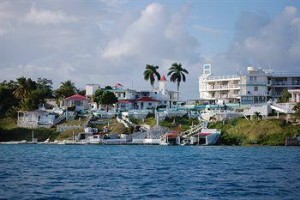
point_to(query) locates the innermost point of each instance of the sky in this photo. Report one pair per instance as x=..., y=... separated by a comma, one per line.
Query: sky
x=111, y=41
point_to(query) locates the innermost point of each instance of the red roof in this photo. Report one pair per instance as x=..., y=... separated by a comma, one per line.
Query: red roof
x=147, y=99
x=125, y=101
x=118, y=85
x=163, y=78
x=204, y=134
x=77, y=97
x=173, y=134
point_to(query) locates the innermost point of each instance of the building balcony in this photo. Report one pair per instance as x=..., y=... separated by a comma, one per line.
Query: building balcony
x=257, y=83
x=256, y=94
x=224, y=96
x=285, y=83
x=220, y=87
x=221, y=78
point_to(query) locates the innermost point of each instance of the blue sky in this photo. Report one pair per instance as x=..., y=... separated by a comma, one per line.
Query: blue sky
x=110, y=42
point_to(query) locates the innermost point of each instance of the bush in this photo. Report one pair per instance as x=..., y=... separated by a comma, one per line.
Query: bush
x=264, y=132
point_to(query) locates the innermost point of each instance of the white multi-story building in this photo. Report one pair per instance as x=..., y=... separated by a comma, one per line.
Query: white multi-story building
x=254, y=86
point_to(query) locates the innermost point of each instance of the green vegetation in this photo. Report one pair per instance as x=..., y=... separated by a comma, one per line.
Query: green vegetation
x=171, y=123
x=105, y=97
x=177, y=74
x=9, y=131
x=234, y=132
x=285, y=96
x=150, y=73
x=264, y=132
x=297, y=111
x=183, y=122
x=66, y=89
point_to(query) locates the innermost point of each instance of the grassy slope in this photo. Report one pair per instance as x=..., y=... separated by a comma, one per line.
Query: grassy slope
x=263, y=132
x=9, y=131
x=238, y=131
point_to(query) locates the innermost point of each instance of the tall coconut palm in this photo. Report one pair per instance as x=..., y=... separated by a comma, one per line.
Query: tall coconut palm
x=24, y=88
x=150, y=73
x=177, y=74
x=66, y=89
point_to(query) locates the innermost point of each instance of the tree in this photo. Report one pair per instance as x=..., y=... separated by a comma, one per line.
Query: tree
x=24, y=88
x=285, y=96
x=108, y=87
x=45, y=87
x=150, y=73
x=7, y=99
x=257, y=116
x=177, y=74
x=98, y=96
x=108, y=98
x=297, y=110
x=82, y=92
x=66, y=89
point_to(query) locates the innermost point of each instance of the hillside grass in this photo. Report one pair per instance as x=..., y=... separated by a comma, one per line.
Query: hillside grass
x=9, y=131
x=262, y=132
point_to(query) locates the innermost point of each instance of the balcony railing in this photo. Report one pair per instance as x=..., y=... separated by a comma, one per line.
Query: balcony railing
x=221, y=87
x=278, y=83
x=226, y=77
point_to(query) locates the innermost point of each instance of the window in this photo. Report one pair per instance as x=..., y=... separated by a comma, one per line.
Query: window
x=256, y=89
x=150, y=104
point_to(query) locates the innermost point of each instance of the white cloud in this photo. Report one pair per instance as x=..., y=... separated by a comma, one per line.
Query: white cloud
x=264, y=42
x=156, y=35
x=207, y=29
x=44, y=17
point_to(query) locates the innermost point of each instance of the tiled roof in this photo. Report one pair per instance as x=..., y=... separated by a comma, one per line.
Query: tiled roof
x=163, y=78
x=125, y=101
x=76, y=97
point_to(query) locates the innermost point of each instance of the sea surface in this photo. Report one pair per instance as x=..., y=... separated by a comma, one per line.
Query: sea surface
x=148, y=172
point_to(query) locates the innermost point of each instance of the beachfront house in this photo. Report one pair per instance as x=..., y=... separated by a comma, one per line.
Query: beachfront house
x=146, y=99
x=80, y=102
x=146, y=103
x=35, y=119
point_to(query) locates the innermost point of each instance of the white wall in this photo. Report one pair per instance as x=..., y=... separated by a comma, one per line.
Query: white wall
x=91, y=89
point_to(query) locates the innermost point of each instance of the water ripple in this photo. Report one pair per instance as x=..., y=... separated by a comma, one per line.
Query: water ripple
x=148, y=172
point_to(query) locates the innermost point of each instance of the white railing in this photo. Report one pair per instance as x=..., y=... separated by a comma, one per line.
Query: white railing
x=258, y=82
x=218, y=87
x=223, y=77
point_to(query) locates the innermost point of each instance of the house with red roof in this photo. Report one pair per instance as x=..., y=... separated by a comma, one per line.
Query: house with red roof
x=147, y=99
x=146, y=103
x=80, y=102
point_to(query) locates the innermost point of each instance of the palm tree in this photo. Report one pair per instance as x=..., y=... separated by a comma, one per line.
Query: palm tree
x=66, y=89
x=24, y=88
x=150, y=73
x=177, y=74
x=257, y=116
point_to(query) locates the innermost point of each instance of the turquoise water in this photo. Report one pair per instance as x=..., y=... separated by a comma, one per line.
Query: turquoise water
x=148, y=172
